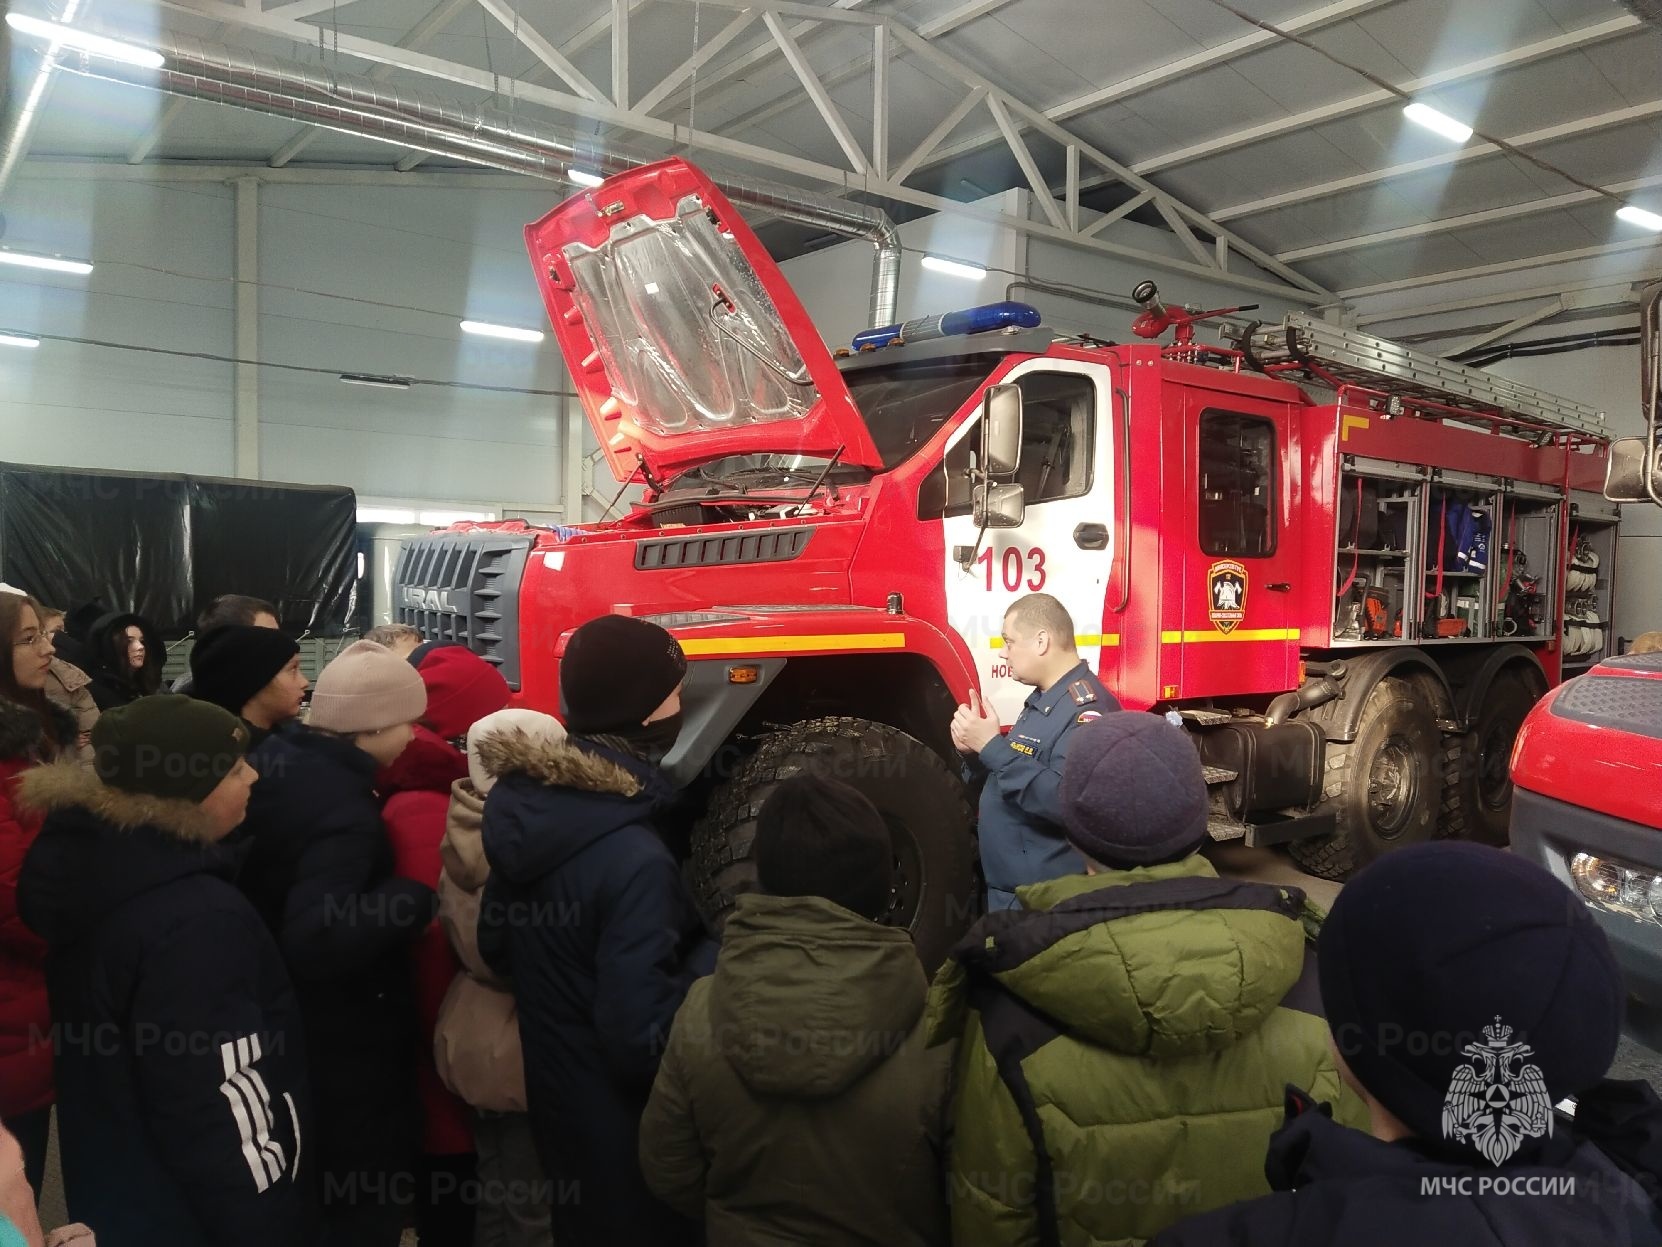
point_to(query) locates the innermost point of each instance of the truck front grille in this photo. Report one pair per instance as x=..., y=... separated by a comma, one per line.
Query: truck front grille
x=464, y=587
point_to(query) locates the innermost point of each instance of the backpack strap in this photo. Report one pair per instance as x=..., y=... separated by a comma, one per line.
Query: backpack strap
x=1014, y=1030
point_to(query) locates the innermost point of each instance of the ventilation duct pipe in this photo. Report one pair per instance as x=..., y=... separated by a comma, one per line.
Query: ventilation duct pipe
x=363, y=108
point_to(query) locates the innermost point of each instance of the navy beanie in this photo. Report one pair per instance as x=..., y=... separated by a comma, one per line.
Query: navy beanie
x=1133, y=791
x=1438, y=951
x=817, y=836
x=616, y=671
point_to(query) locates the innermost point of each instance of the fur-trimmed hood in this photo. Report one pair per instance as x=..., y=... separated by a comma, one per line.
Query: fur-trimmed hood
x=556, y=764
x=100, y=847
x=21, y=735
x=554, y=799
x=66, y=786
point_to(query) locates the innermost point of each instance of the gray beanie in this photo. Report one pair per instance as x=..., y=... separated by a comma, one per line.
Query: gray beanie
x=1133, y=791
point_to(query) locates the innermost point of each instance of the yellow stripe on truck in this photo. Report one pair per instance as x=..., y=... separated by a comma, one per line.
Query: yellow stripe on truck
x=1079, y=642
x=1240, y=634
x=748, y=645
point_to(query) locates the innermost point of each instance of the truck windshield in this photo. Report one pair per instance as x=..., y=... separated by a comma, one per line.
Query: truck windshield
x=904, y=405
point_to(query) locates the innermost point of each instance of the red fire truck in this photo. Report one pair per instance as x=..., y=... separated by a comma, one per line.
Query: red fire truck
x=1588, y=763
x=1343, y=563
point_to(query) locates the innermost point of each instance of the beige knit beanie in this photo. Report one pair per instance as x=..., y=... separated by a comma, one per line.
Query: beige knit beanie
x=365, y=689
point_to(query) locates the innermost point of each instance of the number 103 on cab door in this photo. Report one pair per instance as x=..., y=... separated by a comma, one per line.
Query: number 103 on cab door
x=1013, y=569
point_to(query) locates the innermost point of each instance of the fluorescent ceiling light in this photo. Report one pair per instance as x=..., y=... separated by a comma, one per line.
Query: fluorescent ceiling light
x=84, y=41
x=1638, y=216
x=514, y=334
x=381, y=383
x=385, y=515
x=1438, y=123
x=7, y=338
x=584, y=178
x=441, y=519
x=954, y=268
x=56, y=264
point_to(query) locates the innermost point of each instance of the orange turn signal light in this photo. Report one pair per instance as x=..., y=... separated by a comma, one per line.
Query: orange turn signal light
x=743, y=675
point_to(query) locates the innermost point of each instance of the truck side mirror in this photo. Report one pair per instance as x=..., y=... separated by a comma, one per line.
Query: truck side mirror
x=999, y=506
x=1001, y=431
x=1627, y=477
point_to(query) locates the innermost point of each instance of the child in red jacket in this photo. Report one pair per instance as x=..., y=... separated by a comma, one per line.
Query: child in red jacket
x=462, y=688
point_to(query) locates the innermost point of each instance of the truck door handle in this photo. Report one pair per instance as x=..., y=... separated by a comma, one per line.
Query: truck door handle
x=1280, y=586
x=1091, y=536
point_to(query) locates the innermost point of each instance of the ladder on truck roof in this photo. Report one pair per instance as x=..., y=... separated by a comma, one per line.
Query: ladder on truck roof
x=1348, y=358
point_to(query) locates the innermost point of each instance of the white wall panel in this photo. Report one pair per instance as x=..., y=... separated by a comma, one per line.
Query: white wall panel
x=94, y=407
x=414, y=260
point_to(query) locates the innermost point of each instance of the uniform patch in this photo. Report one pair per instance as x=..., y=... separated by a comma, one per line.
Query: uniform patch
x=1081, y=693
x=1089, y=716
x=1226, y=594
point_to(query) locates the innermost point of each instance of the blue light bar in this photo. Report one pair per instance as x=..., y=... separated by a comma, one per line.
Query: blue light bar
x=1004, y=315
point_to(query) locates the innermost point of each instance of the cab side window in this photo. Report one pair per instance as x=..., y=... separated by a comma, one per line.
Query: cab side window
x=1237, y=485
x=1057, y=448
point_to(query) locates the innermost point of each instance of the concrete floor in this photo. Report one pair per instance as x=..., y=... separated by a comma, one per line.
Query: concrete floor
x=1270, y=866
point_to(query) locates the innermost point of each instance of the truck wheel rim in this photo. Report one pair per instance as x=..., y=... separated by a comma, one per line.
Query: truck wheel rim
x=1393, y=783
x=908, y=876
x=1494, y=777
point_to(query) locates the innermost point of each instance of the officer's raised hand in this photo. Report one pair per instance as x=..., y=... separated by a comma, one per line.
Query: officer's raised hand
x=974, y=725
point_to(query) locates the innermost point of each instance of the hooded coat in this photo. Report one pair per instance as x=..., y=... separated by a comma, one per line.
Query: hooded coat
x=320, y=871
x=417, y=789
x=183, y=1107
x=114, y=683
x=586, y=912
x=25, y=1018
x=476, y=1041
x=1124, y=1050
x=71, y=688
x=1335, y=1185
x=796, y=1075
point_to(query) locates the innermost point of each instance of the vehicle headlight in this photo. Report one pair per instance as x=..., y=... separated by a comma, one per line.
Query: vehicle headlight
x=1618, y=886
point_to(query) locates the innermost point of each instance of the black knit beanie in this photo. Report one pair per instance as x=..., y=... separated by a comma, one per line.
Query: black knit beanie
x=616, y=671
x=1437, y=962
x=1133, y=791
x=817, y=836
x=167, y=746
x=229, y=664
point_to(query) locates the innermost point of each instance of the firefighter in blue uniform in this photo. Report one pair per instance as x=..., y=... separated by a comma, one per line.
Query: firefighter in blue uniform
x=1021, y=813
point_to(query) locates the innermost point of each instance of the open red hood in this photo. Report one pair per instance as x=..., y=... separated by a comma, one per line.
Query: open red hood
x=681, y=335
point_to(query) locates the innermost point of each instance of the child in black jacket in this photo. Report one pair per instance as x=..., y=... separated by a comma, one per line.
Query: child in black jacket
x=182, y=1094
x=320, y=871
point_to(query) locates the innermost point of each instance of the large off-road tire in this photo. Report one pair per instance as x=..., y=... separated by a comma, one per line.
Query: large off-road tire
x=1385, y=787
x=1477, y=803
x=921, y=799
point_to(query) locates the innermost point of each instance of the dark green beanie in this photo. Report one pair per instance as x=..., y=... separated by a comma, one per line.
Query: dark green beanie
x=167, y=746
